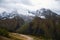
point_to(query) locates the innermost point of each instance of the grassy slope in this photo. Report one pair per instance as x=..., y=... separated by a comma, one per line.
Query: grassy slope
x=4, y=38
x=38, y=38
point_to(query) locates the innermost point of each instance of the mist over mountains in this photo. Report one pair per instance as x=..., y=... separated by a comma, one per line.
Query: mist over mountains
x=28, y=15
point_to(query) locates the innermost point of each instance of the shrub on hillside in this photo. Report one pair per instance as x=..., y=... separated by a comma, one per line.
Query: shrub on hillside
x=4, y=32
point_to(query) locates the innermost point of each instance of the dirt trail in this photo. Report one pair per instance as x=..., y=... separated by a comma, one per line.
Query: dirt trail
x=20, y=36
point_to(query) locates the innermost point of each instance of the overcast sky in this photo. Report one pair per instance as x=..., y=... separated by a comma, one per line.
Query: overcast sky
x=21, y=5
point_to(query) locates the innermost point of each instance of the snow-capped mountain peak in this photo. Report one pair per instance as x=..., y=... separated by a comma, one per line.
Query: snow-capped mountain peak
x=42, y=13
x=5, y=15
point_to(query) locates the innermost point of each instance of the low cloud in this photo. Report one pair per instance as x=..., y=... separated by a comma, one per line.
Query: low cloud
x=31, y=4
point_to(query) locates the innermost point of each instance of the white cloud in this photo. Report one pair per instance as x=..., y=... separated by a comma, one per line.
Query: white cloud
x=26, y=2
x=30, y=4
x=1, y=9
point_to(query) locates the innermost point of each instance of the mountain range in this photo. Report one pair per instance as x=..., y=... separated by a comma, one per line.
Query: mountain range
x=42, y=13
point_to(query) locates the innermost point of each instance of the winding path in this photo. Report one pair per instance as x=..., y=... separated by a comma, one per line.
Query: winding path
x=21, y=36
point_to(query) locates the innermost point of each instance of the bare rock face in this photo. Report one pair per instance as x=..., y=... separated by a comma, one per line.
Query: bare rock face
x=9, y=24
x=11, y=21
